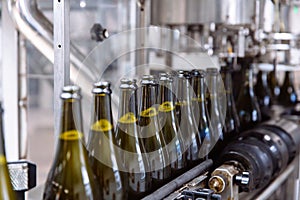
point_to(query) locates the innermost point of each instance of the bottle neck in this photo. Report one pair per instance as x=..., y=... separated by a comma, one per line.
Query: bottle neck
x=289, y=78
x=127, y=105
x=248, y=80
x=228, y=86
x=183, y=90
x=166, y=98
x=262, y=79
x=165, y=92
x=212, y=83
x=71, y=120
x=102, y=114
x=199, y=87
x=148, y=97
x=102, y=107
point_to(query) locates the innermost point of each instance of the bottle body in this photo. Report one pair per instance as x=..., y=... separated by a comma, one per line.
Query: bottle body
x=262, y=90
x=247, y=105
x=288, y=95
x=169, y=125
x=188, y=124
x=6, y=191
x=152, y=136
x=103, y=157
x=263, y=94
x=274, y=85
x=71, y=176
x=199, y=106
x=136, y=165
x=111, y=180
x=213, y=105
x=232, y=122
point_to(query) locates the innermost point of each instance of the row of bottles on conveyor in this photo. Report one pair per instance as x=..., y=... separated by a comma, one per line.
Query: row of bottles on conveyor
x=269, y=91
x=169, y=130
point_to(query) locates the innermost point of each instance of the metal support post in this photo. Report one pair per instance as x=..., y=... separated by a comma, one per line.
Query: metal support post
x=10, y=83
x=142, y=20
x=61, y=53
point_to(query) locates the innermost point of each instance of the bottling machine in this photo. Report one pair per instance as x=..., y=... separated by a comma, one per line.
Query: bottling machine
x=87, y=41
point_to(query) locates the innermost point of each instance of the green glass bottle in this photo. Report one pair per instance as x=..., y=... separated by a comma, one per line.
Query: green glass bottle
x=200, y=110
x=247, y=105
x=232, y=122
x=169, y=125
x=262, y=90
x=71, y=176
x=214, y=106
x=199, y=102
x=263, y=94
x=152, y=136
x=6, y=192
x=135, y=162
x=288, y=95
x=274, y=85
x=188, y=124
x=103, y=157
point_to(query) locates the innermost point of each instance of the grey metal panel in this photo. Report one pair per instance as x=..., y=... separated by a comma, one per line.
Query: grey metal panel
x=176, y=12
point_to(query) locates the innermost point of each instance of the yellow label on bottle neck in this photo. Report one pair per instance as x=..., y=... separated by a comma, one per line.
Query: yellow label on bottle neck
x=70, y=100
x=181, y=103
x=102, y=125
x=71, y=135
x=166, y=106
x=198, y=99
x=2, y=160
x=128, y=118
x=212, y=96
x=150, y=112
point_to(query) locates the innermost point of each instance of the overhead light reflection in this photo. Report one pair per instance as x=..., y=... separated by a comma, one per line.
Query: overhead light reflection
x=82, y=3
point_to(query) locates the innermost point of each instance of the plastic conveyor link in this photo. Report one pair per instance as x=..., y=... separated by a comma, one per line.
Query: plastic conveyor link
x=22, y=176
x=179, y=181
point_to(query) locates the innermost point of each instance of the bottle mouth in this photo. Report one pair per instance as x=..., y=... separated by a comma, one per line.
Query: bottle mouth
x=149, y=80
x=165, y=77
x=70, y=92
x=128, y=83
x=212, y=71
x=101, y=87
x=198, y=73
x=183, y=74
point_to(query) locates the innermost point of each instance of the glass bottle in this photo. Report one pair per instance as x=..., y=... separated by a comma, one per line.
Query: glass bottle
x=263, y=94
x=71, y=176
x=288, y=95
x=232, y=122
x=169, y=124
x=128, y=139
x=200, y=110
x=188, y=124
x=6, y=191
x=213, y=105
x=103, y=157
x=247, y=105
x=152, y=136
x=273, y=85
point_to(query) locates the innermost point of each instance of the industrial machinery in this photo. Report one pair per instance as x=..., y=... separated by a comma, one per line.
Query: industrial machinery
x=87, y=41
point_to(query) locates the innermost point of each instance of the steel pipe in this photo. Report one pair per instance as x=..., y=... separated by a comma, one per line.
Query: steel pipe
x=39, y=31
